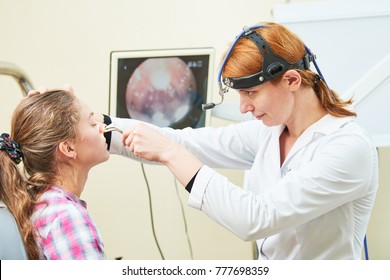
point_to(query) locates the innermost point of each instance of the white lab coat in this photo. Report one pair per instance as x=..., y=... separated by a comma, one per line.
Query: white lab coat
x=316, y=205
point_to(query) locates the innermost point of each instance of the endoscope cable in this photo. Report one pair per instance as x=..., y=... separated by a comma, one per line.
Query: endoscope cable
x=151, y=212
x=184, y=218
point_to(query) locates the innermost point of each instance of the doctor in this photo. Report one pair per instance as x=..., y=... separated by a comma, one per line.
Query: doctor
x=313, y=171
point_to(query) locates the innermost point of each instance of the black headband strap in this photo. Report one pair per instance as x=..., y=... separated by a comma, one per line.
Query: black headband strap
x=273, y=65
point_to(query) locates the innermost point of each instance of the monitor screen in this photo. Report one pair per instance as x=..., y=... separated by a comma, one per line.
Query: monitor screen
x=162, y=87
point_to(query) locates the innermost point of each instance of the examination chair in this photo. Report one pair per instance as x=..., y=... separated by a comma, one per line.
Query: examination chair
x=11, y=243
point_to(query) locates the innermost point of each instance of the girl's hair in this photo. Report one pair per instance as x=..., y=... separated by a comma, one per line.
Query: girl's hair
x=39, y=124
x=246, y=59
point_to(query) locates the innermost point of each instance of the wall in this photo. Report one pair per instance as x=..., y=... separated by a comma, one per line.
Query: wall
x=378, y=231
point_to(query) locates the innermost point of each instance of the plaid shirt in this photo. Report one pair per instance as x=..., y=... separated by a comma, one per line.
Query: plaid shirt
x=65, y=228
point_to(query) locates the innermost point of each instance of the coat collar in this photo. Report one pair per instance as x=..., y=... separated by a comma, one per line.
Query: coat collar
x=324, y=126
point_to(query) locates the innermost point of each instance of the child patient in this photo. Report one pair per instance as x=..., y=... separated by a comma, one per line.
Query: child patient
x=58, y=140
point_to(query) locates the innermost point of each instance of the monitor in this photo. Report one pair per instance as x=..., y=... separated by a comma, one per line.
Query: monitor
x=163, y=87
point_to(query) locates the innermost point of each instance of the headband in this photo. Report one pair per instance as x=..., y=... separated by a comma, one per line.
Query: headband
x=273, y=65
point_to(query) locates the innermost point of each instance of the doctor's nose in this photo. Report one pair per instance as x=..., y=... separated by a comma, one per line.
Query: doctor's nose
x=245, y=105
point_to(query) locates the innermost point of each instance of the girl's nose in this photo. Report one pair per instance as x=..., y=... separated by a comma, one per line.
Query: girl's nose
x=102, y=127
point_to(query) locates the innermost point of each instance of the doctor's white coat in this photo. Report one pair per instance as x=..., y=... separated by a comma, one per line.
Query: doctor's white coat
x=316, y=205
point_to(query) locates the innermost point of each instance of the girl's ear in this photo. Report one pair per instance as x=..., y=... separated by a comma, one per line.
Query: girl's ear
x=67, y=149
x=293, y=79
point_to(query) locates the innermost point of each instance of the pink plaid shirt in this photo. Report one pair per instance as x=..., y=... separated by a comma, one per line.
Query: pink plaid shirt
x=65, y=228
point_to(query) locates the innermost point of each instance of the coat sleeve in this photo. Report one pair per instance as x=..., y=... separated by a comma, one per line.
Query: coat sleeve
x=234, y=146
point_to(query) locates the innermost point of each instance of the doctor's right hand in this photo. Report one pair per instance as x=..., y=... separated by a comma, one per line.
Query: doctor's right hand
x=147, y=143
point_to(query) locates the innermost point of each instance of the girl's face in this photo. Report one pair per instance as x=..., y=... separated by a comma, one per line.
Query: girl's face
x=90, y=144
x=269, y=102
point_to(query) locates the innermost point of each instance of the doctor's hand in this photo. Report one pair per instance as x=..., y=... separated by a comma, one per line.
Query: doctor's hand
x=147, y=143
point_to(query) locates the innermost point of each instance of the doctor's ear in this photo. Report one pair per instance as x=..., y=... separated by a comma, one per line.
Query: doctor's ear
x=66, y=149
x=293, y=79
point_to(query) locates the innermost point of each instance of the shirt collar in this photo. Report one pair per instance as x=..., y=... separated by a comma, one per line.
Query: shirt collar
x=70, y=196
x=2, y=204
x=324, y=126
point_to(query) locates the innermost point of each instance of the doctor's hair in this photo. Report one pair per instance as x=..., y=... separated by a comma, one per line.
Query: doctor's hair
x=39, y=124
x=246, y=59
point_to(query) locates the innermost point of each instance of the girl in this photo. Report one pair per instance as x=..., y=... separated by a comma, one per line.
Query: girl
x=58, y=140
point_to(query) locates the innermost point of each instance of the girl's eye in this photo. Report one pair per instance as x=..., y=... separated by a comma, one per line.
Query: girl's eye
x=250, y=93
x=94, y=124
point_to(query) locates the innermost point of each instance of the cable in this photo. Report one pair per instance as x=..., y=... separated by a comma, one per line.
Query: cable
x=184, y=219
x=319, y=73
x=151, y=211
x=366, y=248
x=261, y=250
x=152, y=219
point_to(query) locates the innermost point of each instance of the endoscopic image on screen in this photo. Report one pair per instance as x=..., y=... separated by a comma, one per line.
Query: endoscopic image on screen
x=165, y=91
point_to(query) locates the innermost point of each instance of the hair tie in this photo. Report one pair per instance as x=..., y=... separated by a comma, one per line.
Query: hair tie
x=11, y=148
